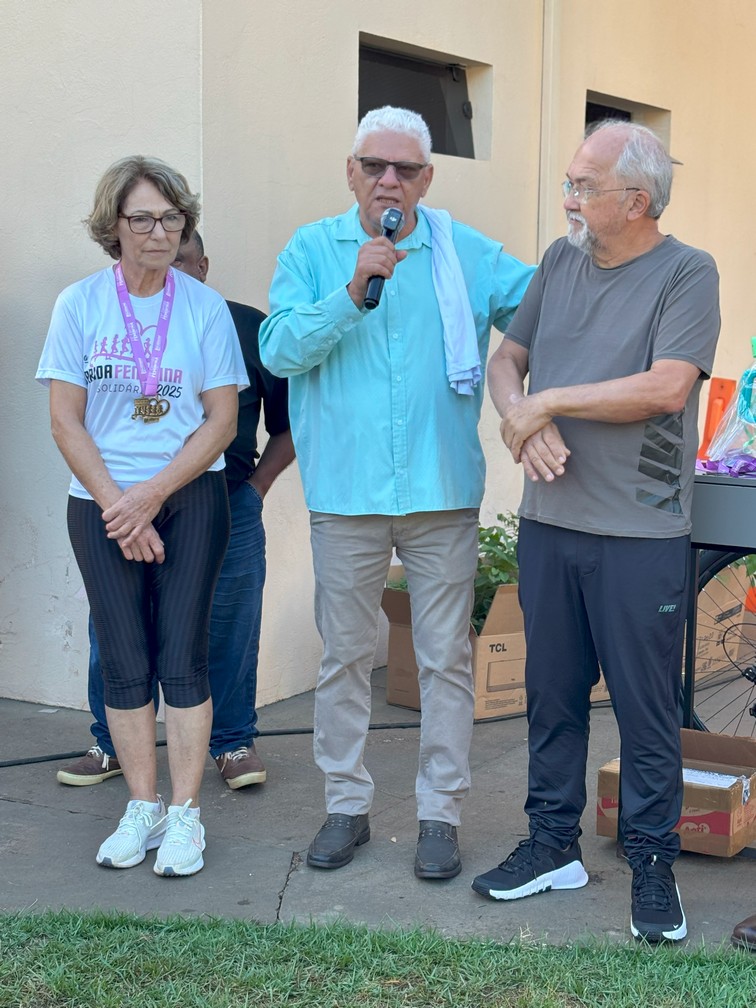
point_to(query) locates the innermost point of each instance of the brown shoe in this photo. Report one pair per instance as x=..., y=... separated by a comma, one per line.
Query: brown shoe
x=93, y=768
x=744, y=935
x=241, y=767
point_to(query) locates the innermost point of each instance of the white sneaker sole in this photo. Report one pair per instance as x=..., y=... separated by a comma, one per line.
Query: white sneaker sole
x=571, y=876
x=108, y=862
x=83, y=780
x=677, y=934
x=244, y=780
x=168, y=871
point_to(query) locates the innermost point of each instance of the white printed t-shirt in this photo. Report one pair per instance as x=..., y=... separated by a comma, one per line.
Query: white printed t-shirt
x=87, y=345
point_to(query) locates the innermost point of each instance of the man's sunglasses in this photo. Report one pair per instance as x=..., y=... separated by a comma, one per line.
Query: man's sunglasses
x=377, y=167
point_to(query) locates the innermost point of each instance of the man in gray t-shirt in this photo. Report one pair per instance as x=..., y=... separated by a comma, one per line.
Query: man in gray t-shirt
x=616, y=332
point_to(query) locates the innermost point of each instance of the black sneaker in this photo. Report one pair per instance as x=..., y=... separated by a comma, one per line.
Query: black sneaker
x=532, y=868
x=657, y=914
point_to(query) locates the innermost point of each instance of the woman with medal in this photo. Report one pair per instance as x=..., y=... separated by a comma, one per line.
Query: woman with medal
x=144, y=368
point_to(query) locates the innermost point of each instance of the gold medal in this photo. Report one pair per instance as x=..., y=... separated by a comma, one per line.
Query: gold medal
x=150, y=408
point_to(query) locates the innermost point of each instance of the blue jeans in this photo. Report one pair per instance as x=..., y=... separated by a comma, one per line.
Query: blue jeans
x=234, y=635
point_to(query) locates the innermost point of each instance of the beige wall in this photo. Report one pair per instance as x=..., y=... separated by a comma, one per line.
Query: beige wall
x=694, y=58
x=257, y=104
x=74, y=97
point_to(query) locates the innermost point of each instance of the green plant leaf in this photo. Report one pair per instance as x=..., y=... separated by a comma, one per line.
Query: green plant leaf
x=497, y=565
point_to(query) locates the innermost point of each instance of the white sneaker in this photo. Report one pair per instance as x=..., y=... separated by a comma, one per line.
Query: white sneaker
x=140, y=829
x=180, y=852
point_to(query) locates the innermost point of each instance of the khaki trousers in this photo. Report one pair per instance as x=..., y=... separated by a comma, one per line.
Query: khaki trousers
x=351, y=557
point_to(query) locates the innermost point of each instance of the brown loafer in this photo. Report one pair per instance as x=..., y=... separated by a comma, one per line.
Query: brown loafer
x=334, y=843
x=437, y=854
x=744, y=935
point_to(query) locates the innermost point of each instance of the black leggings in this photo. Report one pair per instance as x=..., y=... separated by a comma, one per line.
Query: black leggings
x=151, y=620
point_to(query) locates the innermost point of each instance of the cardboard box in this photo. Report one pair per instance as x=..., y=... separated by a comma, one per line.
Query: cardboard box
x=718, y=820
x=498, y=655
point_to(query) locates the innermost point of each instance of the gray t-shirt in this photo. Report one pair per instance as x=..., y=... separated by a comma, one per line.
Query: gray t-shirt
x=581, y=324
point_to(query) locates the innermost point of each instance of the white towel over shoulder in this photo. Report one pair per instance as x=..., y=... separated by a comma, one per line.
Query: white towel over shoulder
x=460, y=338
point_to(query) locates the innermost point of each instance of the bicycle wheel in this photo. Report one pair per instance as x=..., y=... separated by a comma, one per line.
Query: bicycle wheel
x=724, y=690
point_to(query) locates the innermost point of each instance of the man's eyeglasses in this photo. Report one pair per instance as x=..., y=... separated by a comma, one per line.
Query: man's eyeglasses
x=583, y=193
x=377, y=167
x=143, y=223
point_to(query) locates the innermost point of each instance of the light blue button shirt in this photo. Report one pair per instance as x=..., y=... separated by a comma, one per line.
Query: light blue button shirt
x=377, y=428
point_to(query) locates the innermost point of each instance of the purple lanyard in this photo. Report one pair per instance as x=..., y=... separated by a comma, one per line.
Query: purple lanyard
x=148, y=373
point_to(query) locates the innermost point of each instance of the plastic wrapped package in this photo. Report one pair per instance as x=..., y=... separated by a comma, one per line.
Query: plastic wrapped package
x=732, y=450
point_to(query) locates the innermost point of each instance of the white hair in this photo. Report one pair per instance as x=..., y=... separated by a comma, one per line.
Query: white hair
x=642, y=161
x=394, y=120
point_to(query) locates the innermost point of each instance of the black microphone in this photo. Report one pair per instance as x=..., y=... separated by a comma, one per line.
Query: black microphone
x=391, y=224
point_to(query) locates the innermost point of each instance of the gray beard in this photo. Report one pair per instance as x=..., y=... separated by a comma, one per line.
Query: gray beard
x=584, y=239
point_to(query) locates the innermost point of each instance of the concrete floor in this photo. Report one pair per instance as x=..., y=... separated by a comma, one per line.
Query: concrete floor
x=257, y=838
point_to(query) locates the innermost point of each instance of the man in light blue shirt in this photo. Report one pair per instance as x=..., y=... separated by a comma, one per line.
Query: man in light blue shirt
x=384, y=408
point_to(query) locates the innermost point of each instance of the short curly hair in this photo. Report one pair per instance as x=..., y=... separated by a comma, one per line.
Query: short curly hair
x=116, y=184
x=394, y=120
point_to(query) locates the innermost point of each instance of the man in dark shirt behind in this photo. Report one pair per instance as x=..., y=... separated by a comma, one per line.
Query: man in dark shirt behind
x=237, y=603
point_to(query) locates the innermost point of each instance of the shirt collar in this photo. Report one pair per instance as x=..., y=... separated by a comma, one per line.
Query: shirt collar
x=349, y=228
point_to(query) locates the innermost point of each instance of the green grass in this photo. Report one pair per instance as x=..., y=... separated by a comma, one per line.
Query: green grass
x=68, y=960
